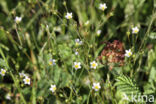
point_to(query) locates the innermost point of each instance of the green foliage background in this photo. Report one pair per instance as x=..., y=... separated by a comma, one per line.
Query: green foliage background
x=45, y=33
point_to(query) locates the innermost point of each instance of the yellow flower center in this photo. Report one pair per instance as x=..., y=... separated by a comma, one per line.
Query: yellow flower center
x=94, y=65
x=96, y=87
x=129, y=53
x=54, y=88
x=27, y=80
x=77, y=44
x=76, y=66
x=103, y=8
x=135, y=30
x=50, y=62
x=3, y=72
x=69, y=16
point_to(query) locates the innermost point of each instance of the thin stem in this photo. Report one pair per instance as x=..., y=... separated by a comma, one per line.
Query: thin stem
x=88, y=97
x=148, y=30
x=18, y=35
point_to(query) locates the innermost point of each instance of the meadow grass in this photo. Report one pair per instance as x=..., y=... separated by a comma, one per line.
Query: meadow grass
x=77, y=52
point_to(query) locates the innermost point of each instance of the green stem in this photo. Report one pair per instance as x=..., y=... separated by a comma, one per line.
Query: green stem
x=33, y=89
x=148, y=30
x=88, y=97
x=18, y=36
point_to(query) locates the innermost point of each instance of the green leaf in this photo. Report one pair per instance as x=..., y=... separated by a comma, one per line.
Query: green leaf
x=126, y=85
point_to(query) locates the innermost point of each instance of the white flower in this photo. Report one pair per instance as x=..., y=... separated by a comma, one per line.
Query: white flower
x=2, y=72
x=76, y=53
x=26, y=80
x=77, y=65
x=52, y=62
x=128, y=53
x=98, y=32
x=22, y=74
x=78, y=42
x=68, y=16
x=53, y=88
x=93, y=65
x=8, y=96
x=103, y=6
x=18, y=19
x=96, y=86
x=135, y=30
x=86, y=23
